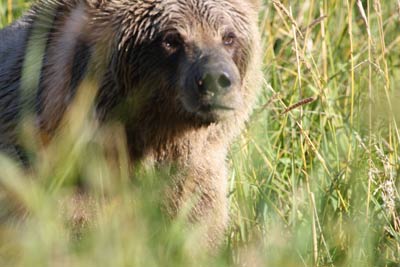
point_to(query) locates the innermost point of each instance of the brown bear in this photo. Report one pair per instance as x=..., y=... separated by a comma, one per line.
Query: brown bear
x=180, y=75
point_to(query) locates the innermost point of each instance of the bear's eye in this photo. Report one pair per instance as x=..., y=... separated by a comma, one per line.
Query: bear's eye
x=171, y=42
x=229, y=39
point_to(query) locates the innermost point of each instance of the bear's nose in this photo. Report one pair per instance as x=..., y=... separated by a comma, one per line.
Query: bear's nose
x=214, y=82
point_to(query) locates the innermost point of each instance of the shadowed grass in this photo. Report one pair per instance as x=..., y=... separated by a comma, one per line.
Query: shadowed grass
x=313, y=184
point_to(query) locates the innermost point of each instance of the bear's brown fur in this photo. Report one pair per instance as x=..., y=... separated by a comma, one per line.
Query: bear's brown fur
x=145, y=55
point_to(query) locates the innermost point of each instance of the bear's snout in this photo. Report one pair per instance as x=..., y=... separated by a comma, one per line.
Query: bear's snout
x=216, y=79
x=212, y=86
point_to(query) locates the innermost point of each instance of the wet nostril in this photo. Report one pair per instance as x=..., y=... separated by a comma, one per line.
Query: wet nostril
x=224, y=81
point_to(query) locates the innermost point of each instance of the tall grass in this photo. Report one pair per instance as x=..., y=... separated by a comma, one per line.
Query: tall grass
x=313, y=184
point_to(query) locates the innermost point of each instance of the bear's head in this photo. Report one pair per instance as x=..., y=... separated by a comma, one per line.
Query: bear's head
x=190, y=54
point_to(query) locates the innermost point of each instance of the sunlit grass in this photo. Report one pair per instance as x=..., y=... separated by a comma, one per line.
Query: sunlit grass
x=314, y=185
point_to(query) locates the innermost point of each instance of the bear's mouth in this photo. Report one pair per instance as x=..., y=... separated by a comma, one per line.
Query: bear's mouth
x=213, y=112
x=212, y=102
x=210, y=107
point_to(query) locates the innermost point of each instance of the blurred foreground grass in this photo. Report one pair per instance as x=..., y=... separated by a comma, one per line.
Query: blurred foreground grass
x=316, y=185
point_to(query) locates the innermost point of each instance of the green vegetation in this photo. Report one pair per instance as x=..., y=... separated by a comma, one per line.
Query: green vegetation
x=313, y=185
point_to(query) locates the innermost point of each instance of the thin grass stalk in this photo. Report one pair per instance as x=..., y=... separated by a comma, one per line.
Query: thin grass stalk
x=10, y=11
x=350, y=4
x=370, y=177
x=398, y=8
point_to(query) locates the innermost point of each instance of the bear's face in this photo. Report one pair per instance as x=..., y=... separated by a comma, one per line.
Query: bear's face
x=207, y=77
x=193, y=53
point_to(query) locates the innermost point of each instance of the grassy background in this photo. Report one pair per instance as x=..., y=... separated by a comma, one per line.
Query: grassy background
x=316, y=185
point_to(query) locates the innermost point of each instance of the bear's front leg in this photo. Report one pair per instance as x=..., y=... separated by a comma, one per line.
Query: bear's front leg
x=199, y=194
